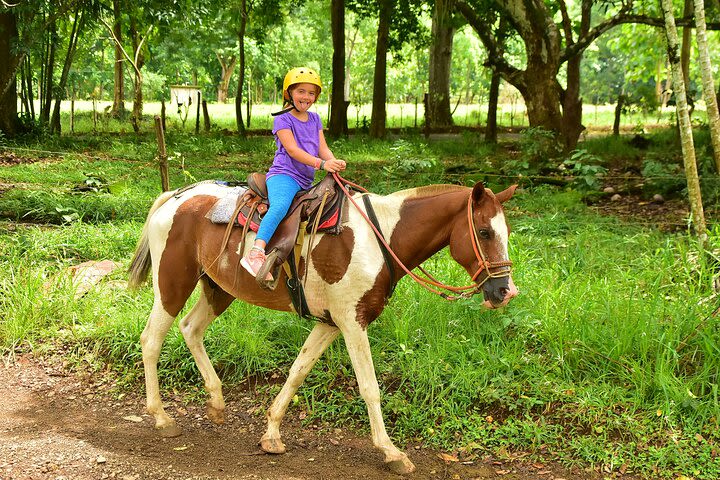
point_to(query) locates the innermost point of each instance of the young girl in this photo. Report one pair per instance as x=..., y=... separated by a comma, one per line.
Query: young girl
x=301, y=149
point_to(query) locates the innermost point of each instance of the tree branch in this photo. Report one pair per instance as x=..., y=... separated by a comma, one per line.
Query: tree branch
x=566, y=23
x=623, y=18
x=495, y=59
x=122, y=49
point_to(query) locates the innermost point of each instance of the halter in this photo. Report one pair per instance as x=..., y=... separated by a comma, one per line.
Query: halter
x=428, y=283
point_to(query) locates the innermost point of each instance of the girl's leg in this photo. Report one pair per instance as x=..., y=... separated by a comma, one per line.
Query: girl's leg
x=281, y=191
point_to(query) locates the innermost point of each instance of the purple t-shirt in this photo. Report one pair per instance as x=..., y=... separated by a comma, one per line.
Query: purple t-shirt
x=307, y=137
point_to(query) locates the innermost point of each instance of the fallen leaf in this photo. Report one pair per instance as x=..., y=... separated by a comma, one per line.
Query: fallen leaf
x=181, y=448
x=448, y=458
x=133, y=418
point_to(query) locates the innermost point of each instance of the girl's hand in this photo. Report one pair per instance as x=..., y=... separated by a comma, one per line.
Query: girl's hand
x=334, y=165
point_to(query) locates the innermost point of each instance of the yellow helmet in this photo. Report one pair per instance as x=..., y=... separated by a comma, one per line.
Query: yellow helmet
x=301, y=75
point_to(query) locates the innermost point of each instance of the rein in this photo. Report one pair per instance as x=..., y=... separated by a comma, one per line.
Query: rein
x=430, y=283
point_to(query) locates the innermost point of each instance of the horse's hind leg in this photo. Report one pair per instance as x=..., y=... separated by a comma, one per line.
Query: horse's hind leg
x=213, y=301
x=319, y=339
x=151, y=340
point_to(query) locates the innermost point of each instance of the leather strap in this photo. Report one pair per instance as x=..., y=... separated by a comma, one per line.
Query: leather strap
x=386, y=254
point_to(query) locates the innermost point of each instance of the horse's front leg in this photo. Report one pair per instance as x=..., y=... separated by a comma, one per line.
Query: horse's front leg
x=321, y=336
x=358, y=348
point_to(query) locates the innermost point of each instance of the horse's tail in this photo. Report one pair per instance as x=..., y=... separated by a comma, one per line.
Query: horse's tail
x=141, y=262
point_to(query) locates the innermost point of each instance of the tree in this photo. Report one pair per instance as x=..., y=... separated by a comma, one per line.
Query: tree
x=398, y=23
x=136, y=61
x=683, y=115
x=78, y=22
x=264, y=15
x=443, y=29
x=708, y=83
x=9, y=62
x=118, y=108
x=378, y=118
x=227, y=63
x=547, y=47
x=338, y=102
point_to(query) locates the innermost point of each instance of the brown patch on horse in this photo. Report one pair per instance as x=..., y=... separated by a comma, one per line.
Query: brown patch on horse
x=373, y=302
x=331, y=256
x=179, y=267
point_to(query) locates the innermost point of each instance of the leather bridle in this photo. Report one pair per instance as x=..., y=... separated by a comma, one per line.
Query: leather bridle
x=430, y=283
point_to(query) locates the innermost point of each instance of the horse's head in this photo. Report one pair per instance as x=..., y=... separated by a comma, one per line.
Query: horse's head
x=479, y=242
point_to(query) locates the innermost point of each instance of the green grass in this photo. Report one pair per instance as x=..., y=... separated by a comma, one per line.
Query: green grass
x=607, y=358
x=403, y=116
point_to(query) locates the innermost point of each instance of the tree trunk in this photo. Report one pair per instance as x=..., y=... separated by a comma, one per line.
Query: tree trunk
x=572, y=125
x=228, y=66
x=9, y=124
x=494, y=93
x=707, y=81
x=241, y=75
x=688, y=147
x=686, y=46
x=572, y=102
x=337, y=124
x=377, y=120
x=541, y=93
x=438, y=114
x=118, y=108
x=29, y=82
x=49, y=73
x=72, y=47
x=618, y=114
x=138, y=82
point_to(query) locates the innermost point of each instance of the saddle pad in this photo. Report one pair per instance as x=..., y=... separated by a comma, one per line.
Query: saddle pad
x=223, y=209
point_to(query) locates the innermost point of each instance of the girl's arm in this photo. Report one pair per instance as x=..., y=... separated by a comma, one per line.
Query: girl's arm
x=329, y=162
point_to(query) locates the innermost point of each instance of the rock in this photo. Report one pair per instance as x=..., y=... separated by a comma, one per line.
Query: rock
x=609, y=190
x=657, y=198
x=100, y=459
x=615, y=198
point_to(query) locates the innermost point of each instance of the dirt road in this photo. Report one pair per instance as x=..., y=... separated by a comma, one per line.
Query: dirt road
x=59, y=425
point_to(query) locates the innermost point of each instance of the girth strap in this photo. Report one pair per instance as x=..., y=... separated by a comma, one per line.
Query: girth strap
x=386, y=254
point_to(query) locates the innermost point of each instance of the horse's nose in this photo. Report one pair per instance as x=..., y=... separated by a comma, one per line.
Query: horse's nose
x=510, y=291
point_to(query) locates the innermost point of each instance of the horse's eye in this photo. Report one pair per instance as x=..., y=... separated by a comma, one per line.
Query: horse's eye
x=484, y=234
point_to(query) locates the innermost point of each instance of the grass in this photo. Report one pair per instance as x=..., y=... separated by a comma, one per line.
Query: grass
x=608, y=358
x=399, y=115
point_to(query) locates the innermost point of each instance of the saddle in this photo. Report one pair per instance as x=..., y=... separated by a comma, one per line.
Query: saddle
x=318, y=209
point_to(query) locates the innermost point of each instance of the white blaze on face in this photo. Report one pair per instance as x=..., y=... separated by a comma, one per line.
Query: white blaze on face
x=497, y=223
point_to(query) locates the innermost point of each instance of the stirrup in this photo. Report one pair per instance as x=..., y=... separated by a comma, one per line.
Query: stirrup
x=269, y=268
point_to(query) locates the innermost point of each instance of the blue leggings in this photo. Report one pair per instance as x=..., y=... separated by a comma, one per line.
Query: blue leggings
x=281, y=191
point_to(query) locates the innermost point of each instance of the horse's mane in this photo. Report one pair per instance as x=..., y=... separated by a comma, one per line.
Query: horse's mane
x=429, y=191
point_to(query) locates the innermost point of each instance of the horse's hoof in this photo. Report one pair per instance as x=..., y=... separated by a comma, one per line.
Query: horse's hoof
x=401, y=466
x=169, y=431
x=272, y=445
x=216, y=415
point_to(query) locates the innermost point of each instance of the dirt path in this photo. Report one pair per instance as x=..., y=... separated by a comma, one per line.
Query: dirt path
x=57, y=425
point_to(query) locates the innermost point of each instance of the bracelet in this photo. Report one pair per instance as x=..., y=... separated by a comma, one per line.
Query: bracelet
x=318, y=164
x=322, y=165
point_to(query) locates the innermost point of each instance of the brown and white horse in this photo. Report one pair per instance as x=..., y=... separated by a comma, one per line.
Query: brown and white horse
x=347, y=283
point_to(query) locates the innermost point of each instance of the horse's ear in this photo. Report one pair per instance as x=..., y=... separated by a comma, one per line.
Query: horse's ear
x=506, y=194
x=478, y=192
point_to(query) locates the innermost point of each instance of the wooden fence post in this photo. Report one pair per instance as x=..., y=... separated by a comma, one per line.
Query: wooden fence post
x=163, y=163
x=197, y=115
x=206, y=116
